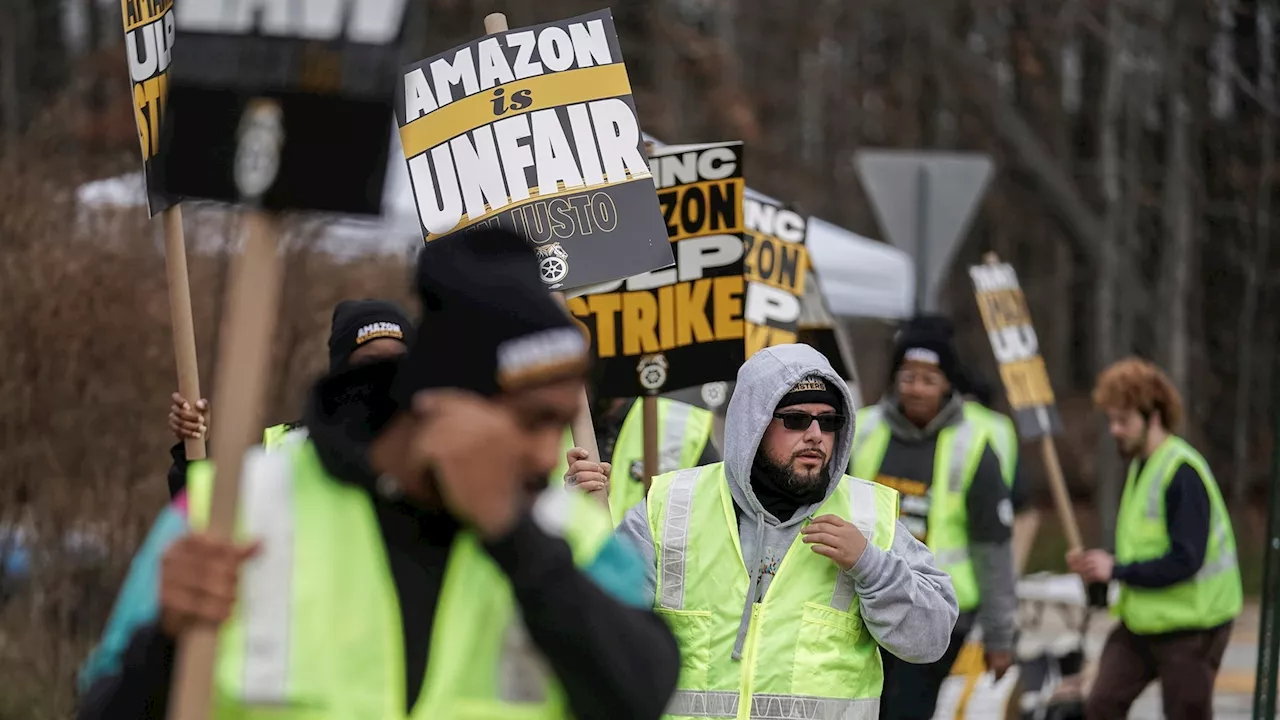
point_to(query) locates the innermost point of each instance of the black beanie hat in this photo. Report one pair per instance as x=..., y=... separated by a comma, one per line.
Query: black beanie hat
x=489, y=324
x=928, y=339
x=812, y=389
x=356, y=322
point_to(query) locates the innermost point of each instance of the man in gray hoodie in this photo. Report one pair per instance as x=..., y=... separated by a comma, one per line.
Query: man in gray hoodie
x=793, y=631
x=918, y=441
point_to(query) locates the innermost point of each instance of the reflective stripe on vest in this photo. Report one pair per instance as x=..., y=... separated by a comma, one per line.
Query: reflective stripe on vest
x=683, y=433
x=721, y=704
x=316, y=634
x=806, y=653
x=957, y=454
x=1209, y=598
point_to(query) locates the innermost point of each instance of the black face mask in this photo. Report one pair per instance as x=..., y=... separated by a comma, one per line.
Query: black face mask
x=781, y=491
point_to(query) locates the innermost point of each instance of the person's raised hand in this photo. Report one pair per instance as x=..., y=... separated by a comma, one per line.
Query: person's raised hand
x=836, y=538
x=187, y=421
x=476, y=453
x=199, y=576
x=584, y=474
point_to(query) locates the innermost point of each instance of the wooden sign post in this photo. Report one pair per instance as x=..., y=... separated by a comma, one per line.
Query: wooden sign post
x=249, y=318
x=148, y=60
x=1022, y=372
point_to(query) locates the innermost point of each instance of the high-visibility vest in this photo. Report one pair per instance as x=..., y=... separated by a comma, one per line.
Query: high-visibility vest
x=807, y=652
x=274, y=436
x=1211, y=597
x=955, y=461
x=1003, y=435
x=683, y=433
x=316, y=633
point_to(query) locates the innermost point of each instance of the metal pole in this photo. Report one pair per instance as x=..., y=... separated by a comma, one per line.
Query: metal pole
x=922, y=237
x=1264, y=689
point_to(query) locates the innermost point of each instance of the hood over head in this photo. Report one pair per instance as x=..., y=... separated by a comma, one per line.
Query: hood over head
x=763, y=381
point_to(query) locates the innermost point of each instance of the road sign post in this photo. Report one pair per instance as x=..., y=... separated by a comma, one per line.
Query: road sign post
x=1264, y=689
x=924, y=202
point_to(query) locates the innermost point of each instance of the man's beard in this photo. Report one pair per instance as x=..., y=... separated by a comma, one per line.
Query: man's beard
x=789, y=480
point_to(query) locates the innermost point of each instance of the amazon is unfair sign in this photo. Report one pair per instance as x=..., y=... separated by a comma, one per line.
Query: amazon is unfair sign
x=535, y=130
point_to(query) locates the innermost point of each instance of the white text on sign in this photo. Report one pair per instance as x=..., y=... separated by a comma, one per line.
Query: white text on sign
x=362, y=21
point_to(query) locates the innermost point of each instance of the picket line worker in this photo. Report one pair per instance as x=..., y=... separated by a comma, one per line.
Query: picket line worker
x=918, y=440
x=430, y=574
x=1175, y=558
x=783, y=578
x=361, y=331
x=684, y=441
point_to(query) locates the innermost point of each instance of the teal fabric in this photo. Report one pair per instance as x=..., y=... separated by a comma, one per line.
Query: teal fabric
x=619, y=570
x=139, y=602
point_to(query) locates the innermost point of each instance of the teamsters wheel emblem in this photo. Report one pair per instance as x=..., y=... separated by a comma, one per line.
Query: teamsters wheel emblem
x=257, y=158
x=553, y=264
x=652, y=371
x=713, y=393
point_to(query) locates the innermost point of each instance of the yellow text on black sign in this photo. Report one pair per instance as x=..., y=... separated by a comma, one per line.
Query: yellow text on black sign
x=148, y=40
x=529, y=114
x=641, y=322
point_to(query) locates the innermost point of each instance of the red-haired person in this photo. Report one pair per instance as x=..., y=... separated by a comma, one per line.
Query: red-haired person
x=1175, y=559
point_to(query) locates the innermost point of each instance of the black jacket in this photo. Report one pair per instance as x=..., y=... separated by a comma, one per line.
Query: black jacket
x=613, y=661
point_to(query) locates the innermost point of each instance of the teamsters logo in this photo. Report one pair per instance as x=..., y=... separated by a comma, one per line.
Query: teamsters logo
x=714, y=393
x=553, y=263
x=652, y=371
x=258, y=151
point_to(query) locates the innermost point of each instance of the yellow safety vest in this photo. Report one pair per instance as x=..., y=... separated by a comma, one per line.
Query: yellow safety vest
x=683, y=433
x=316, y=634
x=1210, y=598
x=807, y=653
x=1003, y=435
x=274, y=436
x=955, y=462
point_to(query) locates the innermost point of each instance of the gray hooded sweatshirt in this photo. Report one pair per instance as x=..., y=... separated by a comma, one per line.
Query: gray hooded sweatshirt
x=907, y=603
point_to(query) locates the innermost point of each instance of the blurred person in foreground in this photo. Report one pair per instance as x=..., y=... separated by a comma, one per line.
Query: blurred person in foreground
x=684, y=441
x=919, y=441
x=1175, y=558
x=431, y=574
x=782, y=577
x=361, y=331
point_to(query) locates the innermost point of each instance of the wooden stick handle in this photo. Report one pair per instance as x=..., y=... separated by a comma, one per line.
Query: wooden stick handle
x=184, y=330
x=495, y=23
x=1061, y=499
x=248, y=322
x=650, y=410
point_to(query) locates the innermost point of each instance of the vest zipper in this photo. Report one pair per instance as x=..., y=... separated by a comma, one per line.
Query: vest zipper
x=749, y=663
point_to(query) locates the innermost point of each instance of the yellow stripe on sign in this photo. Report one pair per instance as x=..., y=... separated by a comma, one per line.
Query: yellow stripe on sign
x=1026, y=383
x=545, y=91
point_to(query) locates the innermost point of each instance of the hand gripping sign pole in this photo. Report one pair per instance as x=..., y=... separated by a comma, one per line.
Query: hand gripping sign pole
x=248, y=321
x=149, y=42
x=184, y=330
x=1013, y=340
x=582, y=428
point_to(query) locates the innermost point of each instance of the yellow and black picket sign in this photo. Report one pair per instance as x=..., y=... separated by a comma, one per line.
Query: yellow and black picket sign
x=680, y=326
x=535, y=130
x=777, y=263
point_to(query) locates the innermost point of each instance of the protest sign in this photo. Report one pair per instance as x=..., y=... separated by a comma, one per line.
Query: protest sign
x=1022, y=370
x=329, y=66
x=149, y=32
x=535, y=130
x=1017, y=351
x=775, y=268
x=681, y=326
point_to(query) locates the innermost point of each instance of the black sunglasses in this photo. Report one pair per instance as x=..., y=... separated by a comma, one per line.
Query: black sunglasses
x=827, y=422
